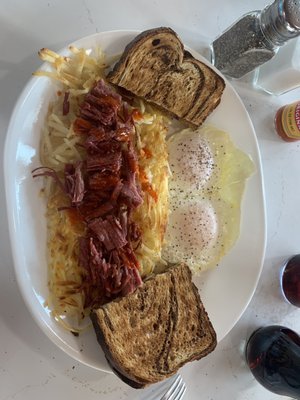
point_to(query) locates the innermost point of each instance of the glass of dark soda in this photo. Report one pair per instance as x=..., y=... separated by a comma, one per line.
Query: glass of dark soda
x=273, y=356
x=290, y=280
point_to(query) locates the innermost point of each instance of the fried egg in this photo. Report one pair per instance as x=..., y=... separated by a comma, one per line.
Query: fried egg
x=208, y=175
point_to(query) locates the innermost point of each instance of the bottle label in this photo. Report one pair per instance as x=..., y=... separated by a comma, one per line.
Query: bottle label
x=291, y=120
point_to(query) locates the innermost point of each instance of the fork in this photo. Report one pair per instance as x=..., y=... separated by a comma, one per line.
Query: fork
x=176, y=390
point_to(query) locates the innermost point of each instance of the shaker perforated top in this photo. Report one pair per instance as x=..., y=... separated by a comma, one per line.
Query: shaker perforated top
x=281, y=21
x=292, y=12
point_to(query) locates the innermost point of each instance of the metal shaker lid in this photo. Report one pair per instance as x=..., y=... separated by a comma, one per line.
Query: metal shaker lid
x=292, y=12
x=281, y=20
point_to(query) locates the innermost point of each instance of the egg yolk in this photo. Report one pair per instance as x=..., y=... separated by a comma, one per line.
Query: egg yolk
x=191, y=160
x=198, y=229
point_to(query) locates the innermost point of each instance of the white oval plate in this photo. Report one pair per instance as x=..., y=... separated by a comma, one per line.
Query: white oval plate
x=226, y=291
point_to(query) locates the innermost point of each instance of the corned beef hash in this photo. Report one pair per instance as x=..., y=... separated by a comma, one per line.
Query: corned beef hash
x=107, y=201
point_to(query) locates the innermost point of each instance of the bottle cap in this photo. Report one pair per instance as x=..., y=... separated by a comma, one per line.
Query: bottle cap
x=281, y=21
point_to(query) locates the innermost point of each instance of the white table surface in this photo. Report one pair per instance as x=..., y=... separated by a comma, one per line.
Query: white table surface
x=31, y=367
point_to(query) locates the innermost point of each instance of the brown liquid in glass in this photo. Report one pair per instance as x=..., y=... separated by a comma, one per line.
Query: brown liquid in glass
x=273, y=356
x=290, y=280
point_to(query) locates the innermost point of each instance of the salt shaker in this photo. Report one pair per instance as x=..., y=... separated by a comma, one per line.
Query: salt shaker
x=256, y=37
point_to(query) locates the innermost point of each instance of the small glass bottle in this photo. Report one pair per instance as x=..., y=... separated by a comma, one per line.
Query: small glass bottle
x=287, y=122
x=255, y=38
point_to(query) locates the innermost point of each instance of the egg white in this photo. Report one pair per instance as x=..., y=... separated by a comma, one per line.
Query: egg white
x=208, y=175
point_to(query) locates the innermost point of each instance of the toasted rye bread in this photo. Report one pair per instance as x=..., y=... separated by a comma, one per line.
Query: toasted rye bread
x=156, y=67
x=148, y=335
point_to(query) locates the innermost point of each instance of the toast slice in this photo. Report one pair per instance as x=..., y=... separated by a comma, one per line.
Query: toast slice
x=149, y=334
x=156, y=67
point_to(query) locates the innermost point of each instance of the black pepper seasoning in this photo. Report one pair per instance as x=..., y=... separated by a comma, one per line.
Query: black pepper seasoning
x=255, y=38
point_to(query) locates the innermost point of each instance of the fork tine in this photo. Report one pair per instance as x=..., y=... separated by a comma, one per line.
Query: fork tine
x=172, y=388
x=176, y=391
x=181, y=392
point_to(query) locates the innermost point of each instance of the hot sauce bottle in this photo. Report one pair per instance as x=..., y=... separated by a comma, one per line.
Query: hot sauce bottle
x=287, y=122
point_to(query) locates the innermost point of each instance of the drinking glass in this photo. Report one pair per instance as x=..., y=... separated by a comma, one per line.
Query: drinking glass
x=290, y=280
x=273, y=356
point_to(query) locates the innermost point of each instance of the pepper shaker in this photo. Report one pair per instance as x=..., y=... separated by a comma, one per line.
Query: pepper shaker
x=255, y=38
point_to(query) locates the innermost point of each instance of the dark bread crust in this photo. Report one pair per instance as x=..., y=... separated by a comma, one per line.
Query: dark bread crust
x=130, y=382
x=148, y=335
x=155, y=66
